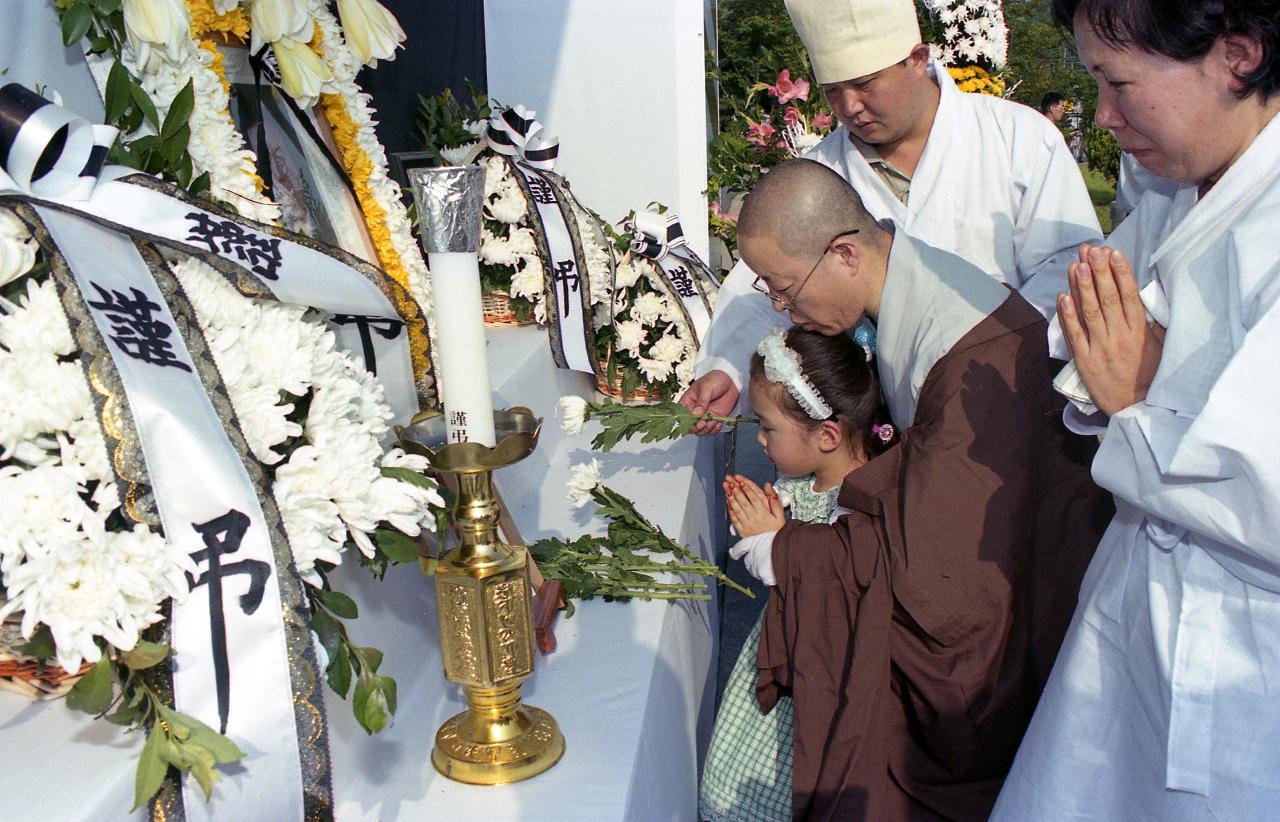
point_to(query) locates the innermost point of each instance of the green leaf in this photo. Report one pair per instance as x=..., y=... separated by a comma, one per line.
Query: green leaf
x=370, y=658
x=106, y=7
x=92, y=694
x=76, y=21
x=328, y=631
x=174, y=147
x=40, y=645
x=146, y=654
x=117, y=94
x=338, y=673
x=143, y=101
x=412, y=477
x=397, y=546
x=152, y=768
x=125, y=715
x=179, y=112
x=220, y=748
x=200, y=185
x=370, y=704
x=388, y=686
x=339, y=604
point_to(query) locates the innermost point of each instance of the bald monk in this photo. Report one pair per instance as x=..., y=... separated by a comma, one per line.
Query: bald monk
x=916, y=632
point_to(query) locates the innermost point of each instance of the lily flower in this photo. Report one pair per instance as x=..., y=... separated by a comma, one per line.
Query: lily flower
x=163, y=23
x=761, y=134
x=372, y=32
x=786, y=89
x=302, y=72
x=273, y=20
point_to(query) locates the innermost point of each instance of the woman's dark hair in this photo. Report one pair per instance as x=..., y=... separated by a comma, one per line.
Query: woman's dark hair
x=1185, y=30
x=838, y=367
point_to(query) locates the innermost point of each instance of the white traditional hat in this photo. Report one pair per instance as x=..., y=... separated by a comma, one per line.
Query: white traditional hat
x=853, y=38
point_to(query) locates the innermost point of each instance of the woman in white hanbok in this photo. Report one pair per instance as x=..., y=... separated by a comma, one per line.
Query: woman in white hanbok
x=1165, y=700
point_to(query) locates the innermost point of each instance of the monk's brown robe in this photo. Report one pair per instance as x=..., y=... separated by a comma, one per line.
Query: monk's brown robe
x=915, y=634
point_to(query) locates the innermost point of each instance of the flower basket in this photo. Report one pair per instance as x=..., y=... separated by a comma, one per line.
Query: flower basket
x=498, y=311
x=24, y=674
x=642, y=395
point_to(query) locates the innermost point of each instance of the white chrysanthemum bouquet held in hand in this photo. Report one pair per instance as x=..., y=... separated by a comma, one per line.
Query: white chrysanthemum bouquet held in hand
x=666, y=420
x=622, y=564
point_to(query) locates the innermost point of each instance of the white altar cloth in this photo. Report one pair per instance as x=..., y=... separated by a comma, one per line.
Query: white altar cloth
x=631, y=684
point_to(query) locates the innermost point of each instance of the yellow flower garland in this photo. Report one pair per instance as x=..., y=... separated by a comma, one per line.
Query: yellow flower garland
x=205, y=20
x=359, y=168
x=976, y=79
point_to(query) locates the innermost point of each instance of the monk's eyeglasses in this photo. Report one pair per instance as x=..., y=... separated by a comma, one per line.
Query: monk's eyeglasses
x=780, y=299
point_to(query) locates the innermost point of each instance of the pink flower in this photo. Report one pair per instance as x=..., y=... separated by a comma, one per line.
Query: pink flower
x=791, y=116
x=761, y=134
x=822, y=120
x=786, y=89
x=717, y=214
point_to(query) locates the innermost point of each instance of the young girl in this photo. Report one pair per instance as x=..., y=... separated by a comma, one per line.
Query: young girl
x=821, y=416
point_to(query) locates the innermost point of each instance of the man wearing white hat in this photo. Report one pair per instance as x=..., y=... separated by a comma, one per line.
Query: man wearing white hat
x=988, y=180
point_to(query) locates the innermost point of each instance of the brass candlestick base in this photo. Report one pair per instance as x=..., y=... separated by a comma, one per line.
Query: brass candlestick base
x=486, y=632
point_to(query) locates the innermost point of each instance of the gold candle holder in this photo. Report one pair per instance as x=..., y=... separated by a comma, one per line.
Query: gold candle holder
x=484, y=603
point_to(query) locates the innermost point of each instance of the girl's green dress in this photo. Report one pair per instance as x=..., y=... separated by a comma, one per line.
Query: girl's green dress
x=747, y=777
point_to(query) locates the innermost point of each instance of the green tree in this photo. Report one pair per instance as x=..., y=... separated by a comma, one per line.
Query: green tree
x=1042, y=58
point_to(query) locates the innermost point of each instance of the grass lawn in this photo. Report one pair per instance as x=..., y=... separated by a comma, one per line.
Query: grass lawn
x=1101, y=191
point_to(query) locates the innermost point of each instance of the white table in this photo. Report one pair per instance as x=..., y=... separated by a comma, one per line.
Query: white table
x=631, y=684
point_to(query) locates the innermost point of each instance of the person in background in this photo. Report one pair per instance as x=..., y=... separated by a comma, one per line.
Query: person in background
x=1053, y=105
x=986, y=179
x=1163, y=703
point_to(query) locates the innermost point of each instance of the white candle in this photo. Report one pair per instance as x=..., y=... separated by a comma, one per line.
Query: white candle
x=458, y=320
x=450, y=201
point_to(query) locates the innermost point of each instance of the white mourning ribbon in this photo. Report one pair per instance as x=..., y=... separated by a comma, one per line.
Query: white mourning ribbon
x=515, y=133
x=31, y=125
x=210, y=512
x=366, y=322
x=566, y=280
x=661, y=239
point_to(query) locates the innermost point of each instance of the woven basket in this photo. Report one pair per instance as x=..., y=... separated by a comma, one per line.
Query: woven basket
x=22, y=674
x=497, y=310
x=641, y=396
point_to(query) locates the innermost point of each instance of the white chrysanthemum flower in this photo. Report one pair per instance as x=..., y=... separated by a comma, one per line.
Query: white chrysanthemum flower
x=17, y=249
x=41, y=395
x=583, y=479
x=648, y=308
x=63, y=568
x=631, y=335
x=497, y=175
x=39, y=323
x=521, y=241
x=495, y=250
x=461, y=155
x=669, y=348
x=655, y=371
x=684, y=372
x=528, y=281
x=510, y=207
x=573, y=414
x=628, y=273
